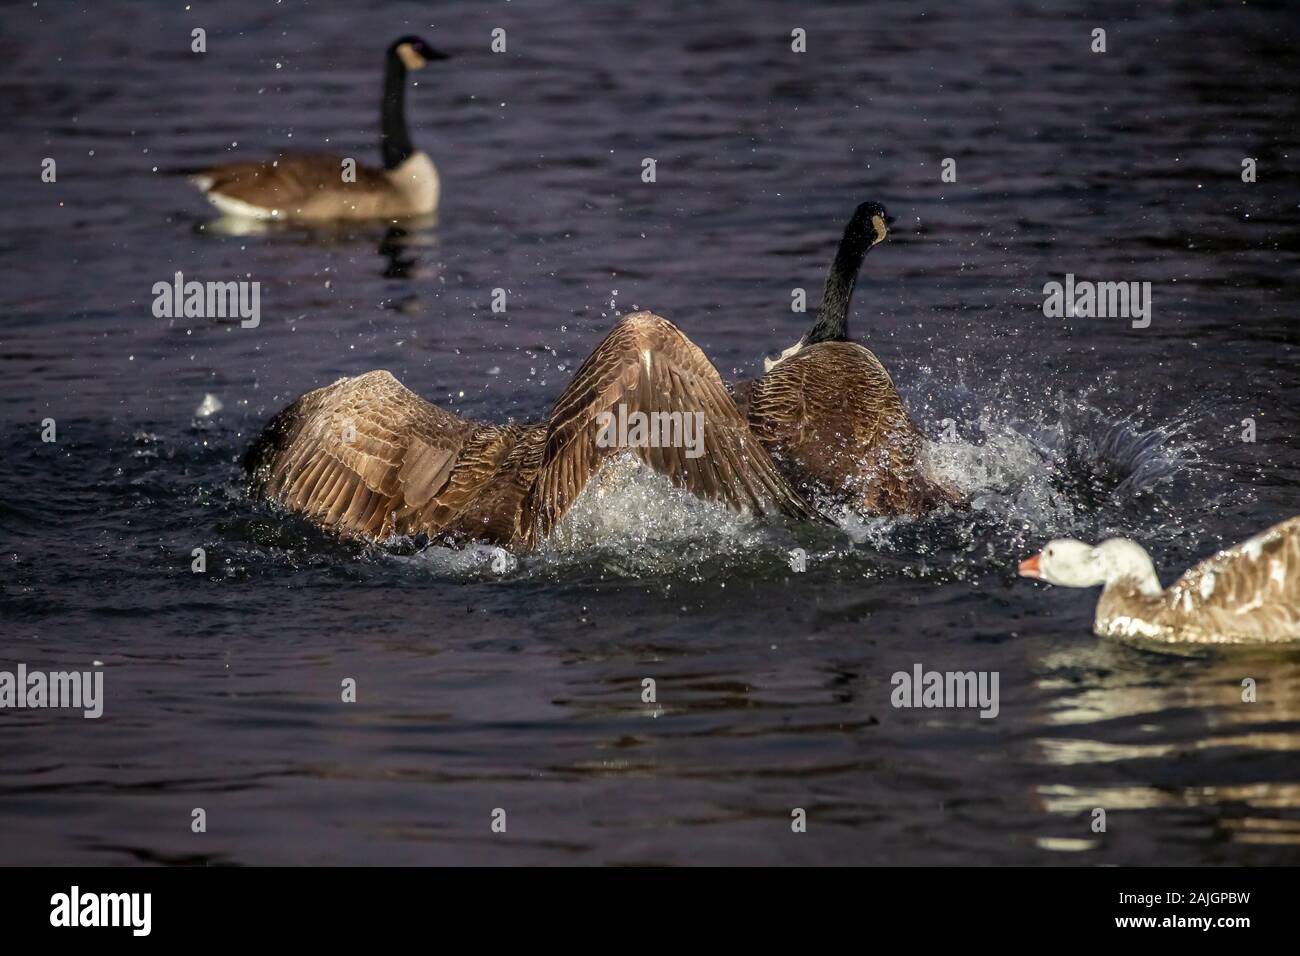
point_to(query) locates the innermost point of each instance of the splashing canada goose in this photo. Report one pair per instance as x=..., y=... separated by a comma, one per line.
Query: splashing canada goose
x=1249, y=594
x=369, y=457
x=829, y=413
x=314, y=187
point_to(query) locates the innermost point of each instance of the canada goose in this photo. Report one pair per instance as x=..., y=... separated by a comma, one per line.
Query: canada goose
x=829, y=413
x=315, y=186
x=369, y=457
x=1249, y=594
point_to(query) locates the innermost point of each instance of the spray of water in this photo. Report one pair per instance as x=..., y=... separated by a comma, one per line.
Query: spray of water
x=1030, y=465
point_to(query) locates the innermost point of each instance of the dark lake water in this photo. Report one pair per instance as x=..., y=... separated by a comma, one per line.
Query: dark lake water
x=522, y=691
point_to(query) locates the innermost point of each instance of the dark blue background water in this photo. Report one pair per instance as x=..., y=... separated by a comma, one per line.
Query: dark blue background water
x=523, y=691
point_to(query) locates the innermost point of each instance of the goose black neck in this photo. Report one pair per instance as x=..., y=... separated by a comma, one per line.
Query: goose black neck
x=833, y=316
x=395, y=141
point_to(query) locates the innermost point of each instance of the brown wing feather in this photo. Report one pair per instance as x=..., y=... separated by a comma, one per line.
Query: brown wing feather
x=647, y=364
x=352, y=454
x=291, y=181
x=837, y=428
x=485, y=491
x=1247, y=592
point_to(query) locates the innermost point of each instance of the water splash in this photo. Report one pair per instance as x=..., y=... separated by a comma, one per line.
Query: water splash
x=632, y=520
x=1030, y=467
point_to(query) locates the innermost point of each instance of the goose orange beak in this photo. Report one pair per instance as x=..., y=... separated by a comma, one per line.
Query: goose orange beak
x=1029, y=567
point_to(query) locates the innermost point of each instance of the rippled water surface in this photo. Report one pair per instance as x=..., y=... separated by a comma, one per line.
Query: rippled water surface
x=522, y=690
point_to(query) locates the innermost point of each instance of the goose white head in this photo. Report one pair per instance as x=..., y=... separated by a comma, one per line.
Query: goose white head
x=1074, y=564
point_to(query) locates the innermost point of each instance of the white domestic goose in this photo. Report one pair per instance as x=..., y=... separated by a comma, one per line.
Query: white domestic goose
x=1249, y=594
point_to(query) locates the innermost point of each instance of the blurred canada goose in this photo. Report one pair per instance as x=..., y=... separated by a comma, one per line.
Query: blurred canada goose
x=313, y=186
x=369, y=457
x=1249, y=594
x=829, y=413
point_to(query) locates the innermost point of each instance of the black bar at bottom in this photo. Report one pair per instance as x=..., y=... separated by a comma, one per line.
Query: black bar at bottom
x=331, y=906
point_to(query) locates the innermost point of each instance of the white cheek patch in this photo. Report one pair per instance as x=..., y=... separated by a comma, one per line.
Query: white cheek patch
x=410, y=59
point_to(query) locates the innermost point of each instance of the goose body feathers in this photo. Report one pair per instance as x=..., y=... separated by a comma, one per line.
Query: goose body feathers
x=1247, y=594
x=310, y=188
x=836, y=426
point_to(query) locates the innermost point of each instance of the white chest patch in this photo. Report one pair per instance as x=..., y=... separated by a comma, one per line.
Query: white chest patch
x=417, y=179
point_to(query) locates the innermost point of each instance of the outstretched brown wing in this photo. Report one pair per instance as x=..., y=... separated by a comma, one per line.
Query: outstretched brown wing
x=648, y=366
x=352, y=454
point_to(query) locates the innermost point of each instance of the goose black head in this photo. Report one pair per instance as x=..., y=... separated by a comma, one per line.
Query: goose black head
x=415, y=52
x=869, y=225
